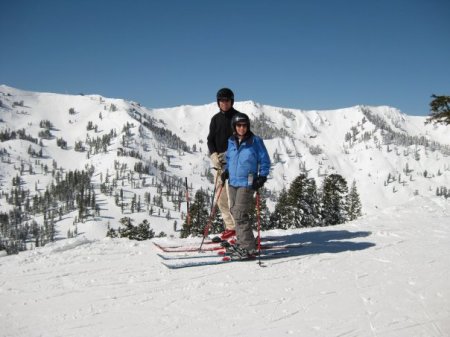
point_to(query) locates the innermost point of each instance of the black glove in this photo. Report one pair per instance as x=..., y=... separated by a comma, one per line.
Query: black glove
x=259, y=182
x=224, y=176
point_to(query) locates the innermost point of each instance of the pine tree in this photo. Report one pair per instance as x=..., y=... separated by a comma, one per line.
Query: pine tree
x=304, y=202
x=217, y=225
x=144, y=232
x=199, y=214
x=333, y=199
x=295, y=200
x=311, y=205
x=353, y=203
x=299, y=207
x=140, y=232
x=440, y=110
x=280, y=217
x=264, y=212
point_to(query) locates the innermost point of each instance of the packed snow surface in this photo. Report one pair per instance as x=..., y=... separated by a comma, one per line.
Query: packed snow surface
x=383, y=275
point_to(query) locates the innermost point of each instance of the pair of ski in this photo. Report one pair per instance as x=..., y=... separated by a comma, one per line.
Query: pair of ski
x=214, y=253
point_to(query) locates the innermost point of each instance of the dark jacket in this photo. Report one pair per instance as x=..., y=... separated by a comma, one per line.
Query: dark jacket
x=220, y=130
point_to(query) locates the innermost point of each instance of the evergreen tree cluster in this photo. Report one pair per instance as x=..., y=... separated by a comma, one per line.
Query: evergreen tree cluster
x=18, y=103
x=79, y=146
x=142, y=168
x=166, y=185
x=302, y=205
x=397, y=138
x=439, y=110
x=45, y=134
x=297, y=207
x=164, y=135
x=90, y=126
x=65, y=194
x=132, y=153
x=32, y=152
x=16, y=233
x=443, y=191
x=46, y=124
x=262, y=126
x=100, y=143
x=19, y=134
x=128, y=230
x=199, y=216
x=61, y=143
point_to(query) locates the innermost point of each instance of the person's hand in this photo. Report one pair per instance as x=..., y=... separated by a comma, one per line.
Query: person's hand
x=218, y=160
x=224, y=176
x=215, y=161
x=222, y=159
x=259, y=182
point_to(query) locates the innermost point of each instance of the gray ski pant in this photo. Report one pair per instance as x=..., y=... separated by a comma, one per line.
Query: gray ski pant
x=241, y=205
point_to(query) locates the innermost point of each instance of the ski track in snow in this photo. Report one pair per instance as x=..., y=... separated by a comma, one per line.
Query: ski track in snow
x=382, y=276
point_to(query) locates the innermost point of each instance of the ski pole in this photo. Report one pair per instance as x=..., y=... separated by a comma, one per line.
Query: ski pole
x=258, y=218
x=188, y=220
x=214, y=191
x=211, y=216
x=213, y=196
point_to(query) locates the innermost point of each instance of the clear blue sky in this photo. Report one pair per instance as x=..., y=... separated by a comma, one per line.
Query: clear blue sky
x=315, y=54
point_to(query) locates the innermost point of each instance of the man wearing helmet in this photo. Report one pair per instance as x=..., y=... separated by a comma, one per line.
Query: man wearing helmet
x=219, y=132
x=247, y=167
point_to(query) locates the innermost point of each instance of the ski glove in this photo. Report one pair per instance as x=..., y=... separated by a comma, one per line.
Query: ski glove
x=259, y=182
x=218, y=160
x=224, y=176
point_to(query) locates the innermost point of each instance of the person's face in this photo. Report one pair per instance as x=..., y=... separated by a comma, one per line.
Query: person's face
x=225, y=104
x=241, y=129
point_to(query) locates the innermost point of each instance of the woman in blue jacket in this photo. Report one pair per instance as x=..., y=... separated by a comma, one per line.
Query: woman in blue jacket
x=247, y=168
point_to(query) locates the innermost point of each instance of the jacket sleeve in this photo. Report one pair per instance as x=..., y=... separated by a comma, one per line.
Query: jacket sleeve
x=263, y=158
x=227, y=154
x=211, y=141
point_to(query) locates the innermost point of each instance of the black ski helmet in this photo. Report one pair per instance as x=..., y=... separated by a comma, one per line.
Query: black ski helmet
x=240, y=118
x=225, y=93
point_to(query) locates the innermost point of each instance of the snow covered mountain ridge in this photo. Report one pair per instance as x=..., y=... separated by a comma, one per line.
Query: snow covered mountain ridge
x=148, y=153
x=380, y=275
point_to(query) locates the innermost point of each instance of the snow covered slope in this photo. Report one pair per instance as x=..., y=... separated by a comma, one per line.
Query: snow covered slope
x=390, y=155
x=384, y=275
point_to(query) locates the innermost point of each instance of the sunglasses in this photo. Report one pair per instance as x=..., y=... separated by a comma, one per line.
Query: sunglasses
x=224, y=100
x=241, y=125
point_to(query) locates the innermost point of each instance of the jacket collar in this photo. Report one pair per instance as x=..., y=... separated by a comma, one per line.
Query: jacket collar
x=228, y=113
x=248, y=138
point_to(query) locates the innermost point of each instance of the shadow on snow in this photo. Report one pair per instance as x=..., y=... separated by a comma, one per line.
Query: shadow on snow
x=319, y=242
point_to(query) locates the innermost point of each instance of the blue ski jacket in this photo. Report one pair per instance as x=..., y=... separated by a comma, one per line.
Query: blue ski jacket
x=247, y=160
